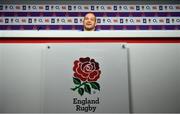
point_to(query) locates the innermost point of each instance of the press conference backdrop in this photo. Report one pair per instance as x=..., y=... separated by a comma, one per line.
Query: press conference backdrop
x=153, y=68
x=111, y=15
x=38, y=78
x=25, y=86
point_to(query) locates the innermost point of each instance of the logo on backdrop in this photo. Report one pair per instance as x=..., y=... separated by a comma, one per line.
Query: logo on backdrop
x=86, y=74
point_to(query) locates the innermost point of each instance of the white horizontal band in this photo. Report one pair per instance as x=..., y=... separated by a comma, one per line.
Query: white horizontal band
x=94, y=34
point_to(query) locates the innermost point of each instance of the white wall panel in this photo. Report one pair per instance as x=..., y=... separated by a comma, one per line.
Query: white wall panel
x=1, y=80
x=155, y=79
x=154, y=76
x=112, y=59
x=21, y=78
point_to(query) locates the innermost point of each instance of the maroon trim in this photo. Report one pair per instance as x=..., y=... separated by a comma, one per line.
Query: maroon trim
x=90, y=40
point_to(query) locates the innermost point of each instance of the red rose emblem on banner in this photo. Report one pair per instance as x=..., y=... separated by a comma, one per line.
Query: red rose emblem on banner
x=88, y=71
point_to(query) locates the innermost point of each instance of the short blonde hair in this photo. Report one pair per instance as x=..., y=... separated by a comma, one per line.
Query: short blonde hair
x=90, y=13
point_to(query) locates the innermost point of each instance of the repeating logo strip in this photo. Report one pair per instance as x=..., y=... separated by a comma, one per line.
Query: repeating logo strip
x=100, y=20
x=109, y=17
x=87, y=8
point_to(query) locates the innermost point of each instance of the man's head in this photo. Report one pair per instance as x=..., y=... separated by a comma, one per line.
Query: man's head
x=89, y=22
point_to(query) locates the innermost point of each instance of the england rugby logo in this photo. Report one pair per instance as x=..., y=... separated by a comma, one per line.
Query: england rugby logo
x=86, y=74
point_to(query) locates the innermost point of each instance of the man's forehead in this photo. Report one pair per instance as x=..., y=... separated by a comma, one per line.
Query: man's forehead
x=90, y=15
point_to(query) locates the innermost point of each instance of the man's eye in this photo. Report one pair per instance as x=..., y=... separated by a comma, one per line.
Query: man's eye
x=92, y=19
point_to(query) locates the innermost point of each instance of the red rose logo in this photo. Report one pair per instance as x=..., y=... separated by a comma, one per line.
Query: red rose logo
x=88, y=71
